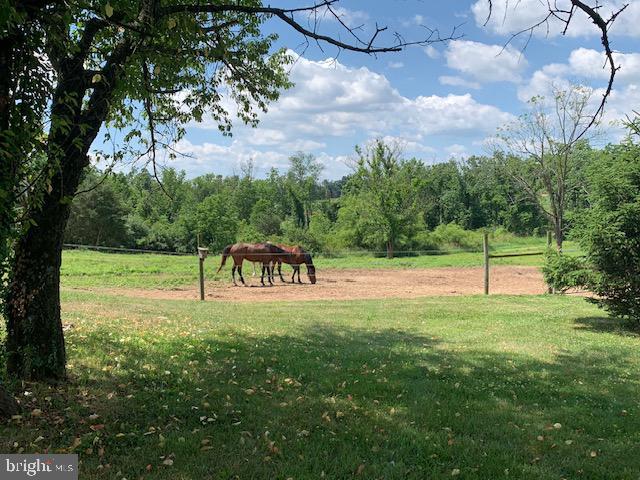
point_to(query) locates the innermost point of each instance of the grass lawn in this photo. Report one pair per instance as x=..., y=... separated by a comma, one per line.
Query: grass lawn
x=474, y=387
x=87, y=269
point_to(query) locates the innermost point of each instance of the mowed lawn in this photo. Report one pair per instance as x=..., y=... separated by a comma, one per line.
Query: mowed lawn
x=87, y=269
x=540, y=387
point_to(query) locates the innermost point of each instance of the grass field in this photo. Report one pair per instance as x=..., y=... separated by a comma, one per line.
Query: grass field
x=527, y=387
x=501, y=387
x=94, y=269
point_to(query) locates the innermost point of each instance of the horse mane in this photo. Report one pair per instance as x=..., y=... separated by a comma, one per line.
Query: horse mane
x=307, y=258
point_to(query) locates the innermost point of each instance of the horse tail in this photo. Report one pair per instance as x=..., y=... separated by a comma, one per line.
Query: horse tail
x=225, y=254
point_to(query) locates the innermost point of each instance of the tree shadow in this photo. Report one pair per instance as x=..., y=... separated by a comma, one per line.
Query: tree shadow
x=609, y=325
x=337, y=402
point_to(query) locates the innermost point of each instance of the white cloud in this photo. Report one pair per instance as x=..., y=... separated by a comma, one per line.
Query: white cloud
x=458, y=82
x=395, y=64
x=583, y=65
x=432, y=52
x=351, y=18
x=589, y=63
x=457, y=151
x=485, y=63
x=455, y=115
x=509, y=17
x=415, y=20
x=332, y=104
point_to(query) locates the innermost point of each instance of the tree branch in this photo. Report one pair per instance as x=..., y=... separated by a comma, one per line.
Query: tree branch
x=287, y=16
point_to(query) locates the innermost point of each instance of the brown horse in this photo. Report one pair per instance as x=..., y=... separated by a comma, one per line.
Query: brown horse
x=295, y=256
x=264, y=253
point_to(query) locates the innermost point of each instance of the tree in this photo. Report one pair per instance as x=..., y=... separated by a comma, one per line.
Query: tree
x=147, y=67
x=264, y=219
x=609, y=230
x=382, y=196
x=302, y=181
x=495, y=199
x=443, y=195
x=97, y=218
x=217, y=222
x=542, y=151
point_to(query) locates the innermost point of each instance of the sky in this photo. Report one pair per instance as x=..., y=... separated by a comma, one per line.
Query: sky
x=441, y=101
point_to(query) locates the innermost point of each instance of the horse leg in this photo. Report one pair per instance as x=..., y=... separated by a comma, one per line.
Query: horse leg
x=298, y=270
x=262, y=277
x=241, y=277
x=233, y=274
x=280, y=271
x=269, y=273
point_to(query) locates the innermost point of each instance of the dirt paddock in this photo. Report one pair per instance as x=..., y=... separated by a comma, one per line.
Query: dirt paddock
x=350, y=284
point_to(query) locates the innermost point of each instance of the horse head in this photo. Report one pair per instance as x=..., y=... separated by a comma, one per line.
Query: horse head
x=311, y=269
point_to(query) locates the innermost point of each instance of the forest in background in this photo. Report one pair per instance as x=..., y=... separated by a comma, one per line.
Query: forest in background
x=388, y=204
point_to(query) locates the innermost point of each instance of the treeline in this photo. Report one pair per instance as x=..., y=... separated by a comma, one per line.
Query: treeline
x=387, y=203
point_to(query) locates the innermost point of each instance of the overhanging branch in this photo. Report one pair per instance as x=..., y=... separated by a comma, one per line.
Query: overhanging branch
x=287, y=16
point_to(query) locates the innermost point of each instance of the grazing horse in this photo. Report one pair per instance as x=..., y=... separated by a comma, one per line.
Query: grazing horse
x=296, y=256
x=264, y=253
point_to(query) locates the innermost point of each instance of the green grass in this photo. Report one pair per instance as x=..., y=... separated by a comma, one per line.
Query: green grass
x=86, y=269
x=393, y=389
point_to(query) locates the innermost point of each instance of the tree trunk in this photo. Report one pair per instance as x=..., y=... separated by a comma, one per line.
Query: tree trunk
x=389, y=249
x=35, y=341
x=559, y=234
x=8, y=405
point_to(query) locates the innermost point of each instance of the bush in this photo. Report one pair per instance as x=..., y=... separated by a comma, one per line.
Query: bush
x=425, y=241
x=454, y=236
x=562, y=272
x=609, y=231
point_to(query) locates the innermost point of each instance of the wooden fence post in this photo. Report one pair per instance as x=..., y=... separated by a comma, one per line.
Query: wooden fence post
x=485, y=247
x=202, y=254
x=549, y=241
x=201, y=261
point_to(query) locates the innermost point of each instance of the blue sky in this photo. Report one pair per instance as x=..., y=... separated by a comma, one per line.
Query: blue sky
x=440, y=102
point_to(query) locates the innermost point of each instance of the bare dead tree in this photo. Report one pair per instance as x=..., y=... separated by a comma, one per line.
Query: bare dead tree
x=540, y=150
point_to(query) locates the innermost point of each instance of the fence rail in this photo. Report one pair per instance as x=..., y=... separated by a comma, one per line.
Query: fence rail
x=337, y=253
x=485, y=251
x=75, y=246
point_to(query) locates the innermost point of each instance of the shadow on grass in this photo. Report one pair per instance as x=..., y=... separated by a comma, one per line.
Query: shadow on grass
x=609, y=325
x=385, y=404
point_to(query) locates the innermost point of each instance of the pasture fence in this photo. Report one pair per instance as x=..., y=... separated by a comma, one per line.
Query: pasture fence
x=488, y=254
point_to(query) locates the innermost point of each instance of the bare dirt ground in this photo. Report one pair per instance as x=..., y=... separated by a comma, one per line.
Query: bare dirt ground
x=353, y=284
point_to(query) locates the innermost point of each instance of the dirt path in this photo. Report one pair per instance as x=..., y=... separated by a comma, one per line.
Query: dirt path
x=363, y=283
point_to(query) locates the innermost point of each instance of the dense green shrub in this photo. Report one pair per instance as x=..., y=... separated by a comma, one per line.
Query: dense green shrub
x=563, y=272
x=609, y=231
x=452, y=235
